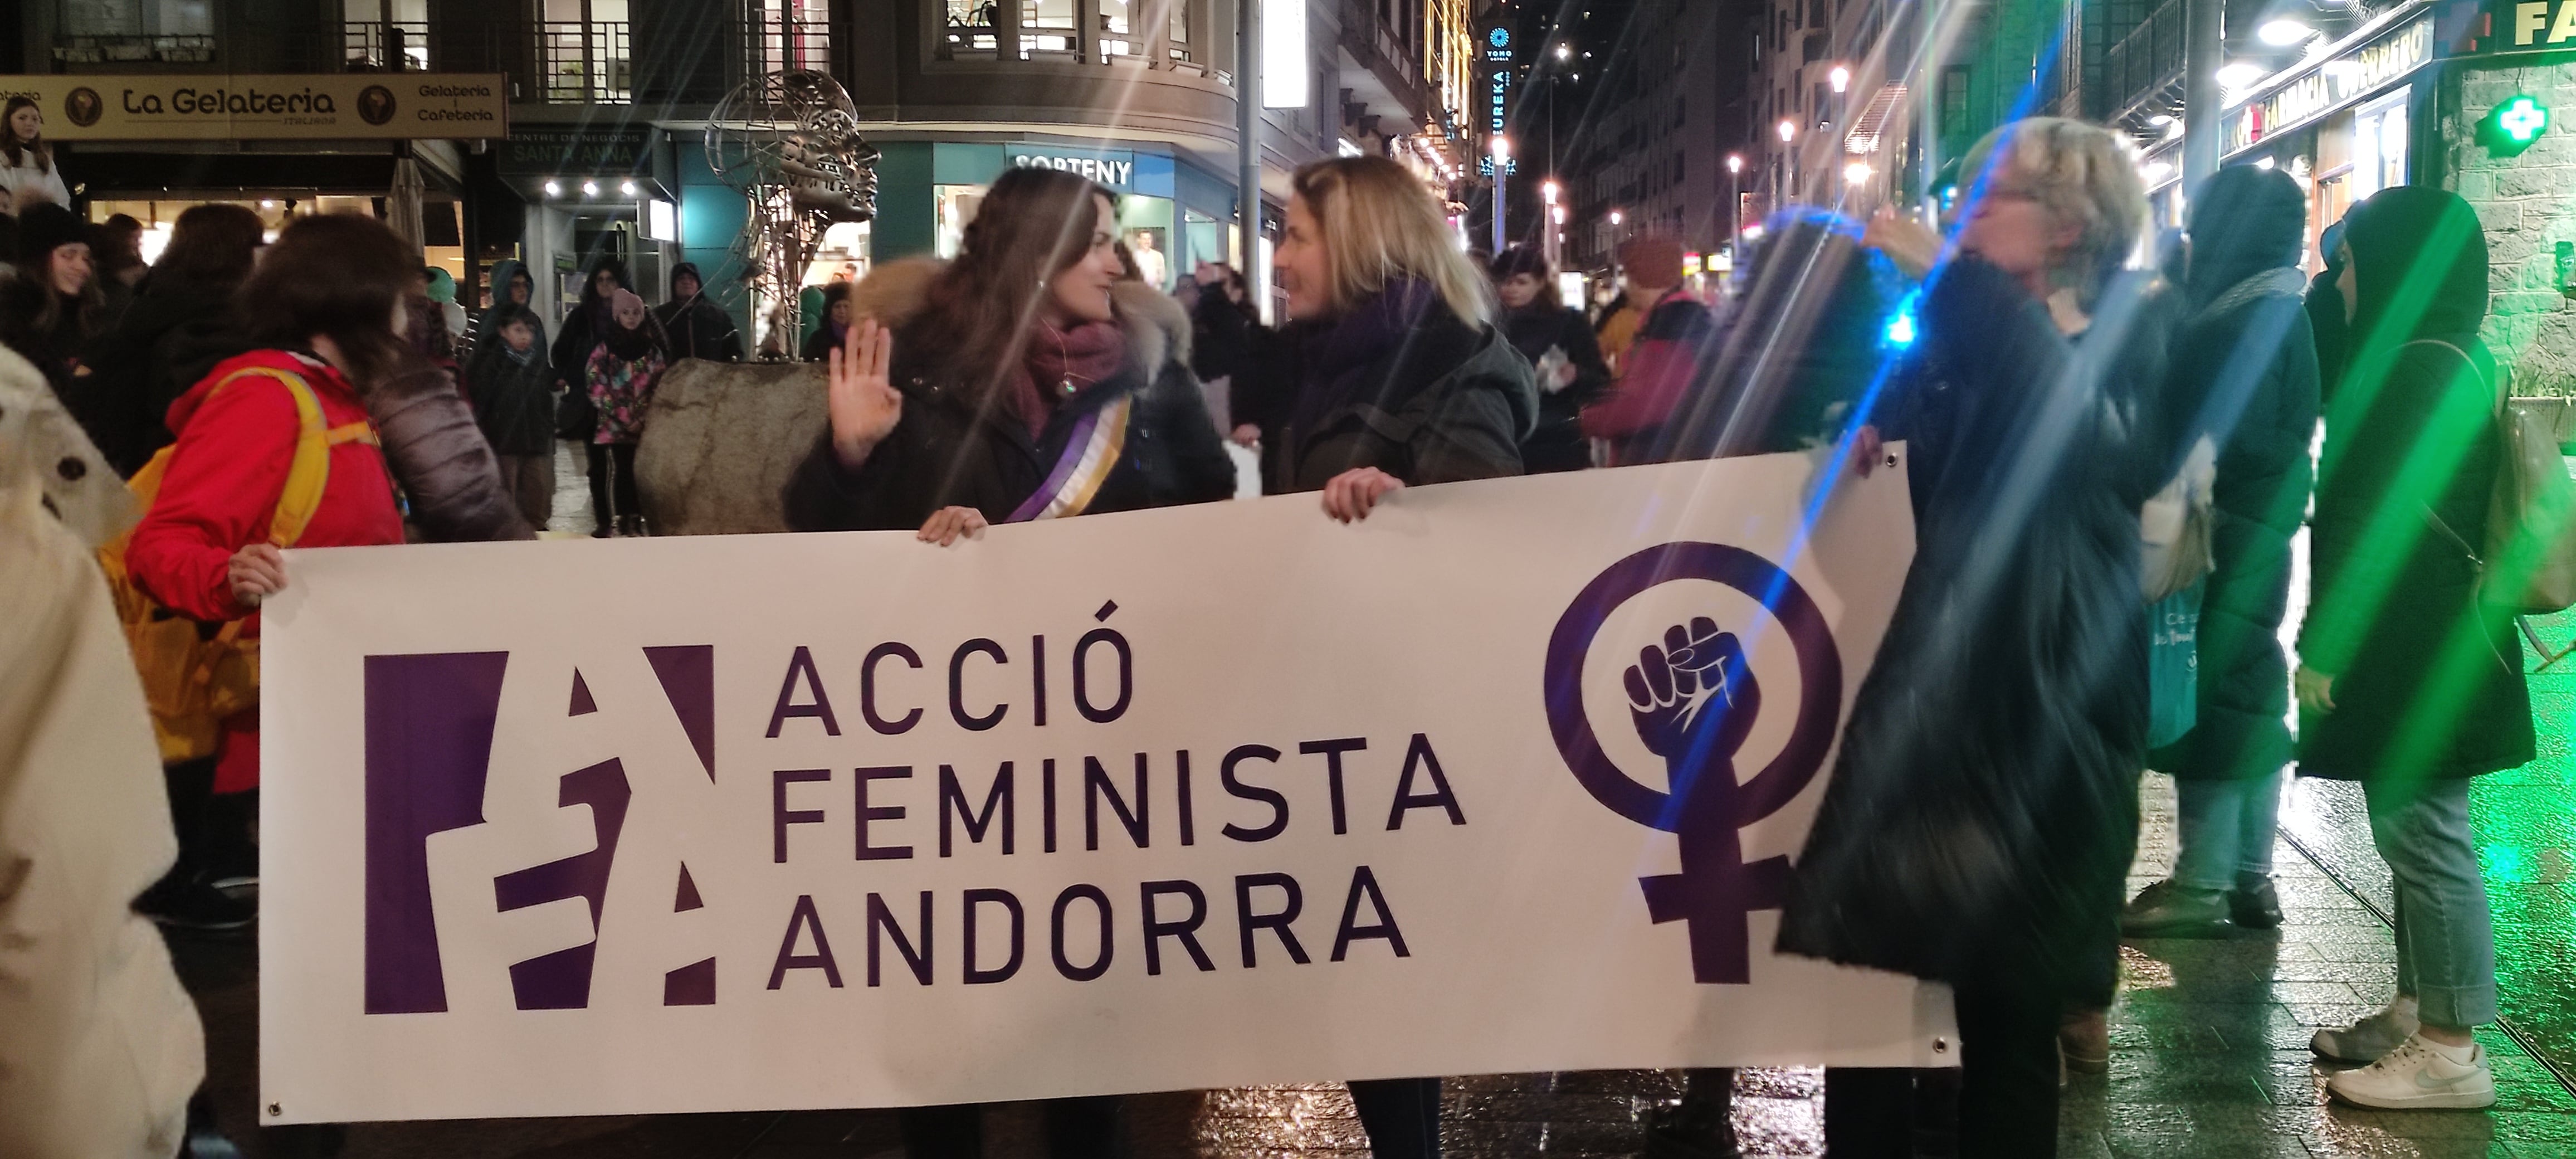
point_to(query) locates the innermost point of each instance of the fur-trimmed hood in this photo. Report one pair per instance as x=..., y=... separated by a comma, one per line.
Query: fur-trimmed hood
x=1158, y=330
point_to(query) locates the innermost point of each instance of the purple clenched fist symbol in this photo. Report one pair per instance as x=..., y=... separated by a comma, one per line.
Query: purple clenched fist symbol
x=1694, y=697
x=1694, y=700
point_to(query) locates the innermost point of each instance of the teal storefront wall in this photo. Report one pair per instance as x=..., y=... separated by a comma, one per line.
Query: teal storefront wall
x=712, y=215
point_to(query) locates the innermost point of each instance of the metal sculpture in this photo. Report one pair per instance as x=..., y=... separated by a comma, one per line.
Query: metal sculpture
x=790, y=142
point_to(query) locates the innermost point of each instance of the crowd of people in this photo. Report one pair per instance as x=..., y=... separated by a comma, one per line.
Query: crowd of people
x=318, y=390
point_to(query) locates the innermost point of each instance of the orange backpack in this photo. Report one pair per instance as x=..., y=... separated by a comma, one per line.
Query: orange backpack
x=193, y=678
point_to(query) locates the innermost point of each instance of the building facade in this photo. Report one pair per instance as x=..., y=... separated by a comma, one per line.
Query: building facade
x=604, y=148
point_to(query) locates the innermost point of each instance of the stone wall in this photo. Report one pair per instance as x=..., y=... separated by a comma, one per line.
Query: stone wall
x=721, y=440
x=2528, y=206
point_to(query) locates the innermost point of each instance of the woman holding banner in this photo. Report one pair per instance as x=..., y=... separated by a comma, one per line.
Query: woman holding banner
x=1034, y=385
x=1401, y=377
x=1021, y=381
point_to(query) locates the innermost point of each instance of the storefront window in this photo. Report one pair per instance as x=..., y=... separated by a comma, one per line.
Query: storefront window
x=841, y=256
x=1204, y=238
x=957, y=205
x=2379, y=145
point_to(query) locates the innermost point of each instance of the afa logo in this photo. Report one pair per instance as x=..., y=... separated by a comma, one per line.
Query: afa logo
x=1693, y=699
x=431, y=719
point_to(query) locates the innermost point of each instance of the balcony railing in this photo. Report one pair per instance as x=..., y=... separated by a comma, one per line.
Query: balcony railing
x=1078, y=31
x=2146, y=59
x=782, y=45
x=384, y=46
x=136, y=49
x=584, y=63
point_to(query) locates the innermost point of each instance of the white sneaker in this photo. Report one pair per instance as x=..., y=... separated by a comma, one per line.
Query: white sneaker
x=2419, y=1075
x=2372, y=1037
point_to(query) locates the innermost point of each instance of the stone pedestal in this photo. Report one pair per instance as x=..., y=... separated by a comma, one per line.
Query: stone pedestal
x=722, y=439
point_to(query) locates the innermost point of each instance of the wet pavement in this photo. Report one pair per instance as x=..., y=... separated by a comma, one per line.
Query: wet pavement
x=2209, y=1037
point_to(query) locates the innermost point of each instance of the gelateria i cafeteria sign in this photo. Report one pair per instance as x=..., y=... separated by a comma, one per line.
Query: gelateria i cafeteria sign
x=200, y=106
x=2332, y=84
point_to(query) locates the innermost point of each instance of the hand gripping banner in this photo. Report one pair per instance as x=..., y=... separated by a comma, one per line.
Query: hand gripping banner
x=1506, y=778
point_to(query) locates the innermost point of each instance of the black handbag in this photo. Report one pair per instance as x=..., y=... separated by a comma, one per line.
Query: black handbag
x=576, y=417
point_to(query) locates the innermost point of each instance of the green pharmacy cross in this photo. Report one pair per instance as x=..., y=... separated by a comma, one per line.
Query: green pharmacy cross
x=2511, y=127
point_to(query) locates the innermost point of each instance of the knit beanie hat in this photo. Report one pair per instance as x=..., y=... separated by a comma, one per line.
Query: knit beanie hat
x=1653, y=261
x=442, y=285
x=44, y=228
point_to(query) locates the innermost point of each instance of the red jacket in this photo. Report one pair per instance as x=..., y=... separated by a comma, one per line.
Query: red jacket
x=222, y=485
x=1654, y=374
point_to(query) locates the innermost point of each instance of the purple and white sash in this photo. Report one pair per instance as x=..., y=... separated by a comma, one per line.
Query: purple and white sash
x=1088, y=457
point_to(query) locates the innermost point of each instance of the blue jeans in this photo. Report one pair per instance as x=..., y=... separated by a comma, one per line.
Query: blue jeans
x=2445, y=937
x=2225, y=829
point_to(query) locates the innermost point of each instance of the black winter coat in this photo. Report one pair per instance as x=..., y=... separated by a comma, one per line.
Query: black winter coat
x=141, y=365
x=2428, y=678
x=1557, y=443
x=56, y=350
x=1983, y=808
x=944, y=453
x=1222, y=336
x=514, y=402
x=1452, y=403
x=2244, y=370
x=700, y=329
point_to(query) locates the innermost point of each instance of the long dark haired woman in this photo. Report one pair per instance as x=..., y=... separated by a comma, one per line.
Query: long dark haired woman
x=1560, y=344
x=50, y=310
x=1391, y=333
x=180, y=325
x=28, y=175
x=1021, y=381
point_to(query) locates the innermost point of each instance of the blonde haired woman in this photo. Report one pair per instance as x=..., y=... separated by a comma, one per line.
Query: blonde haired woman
x=1979, y=823
x=1400, y=377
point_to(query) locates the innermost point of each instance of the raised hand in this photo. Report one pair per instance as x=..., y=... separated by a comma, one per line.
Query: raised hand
x=1694, y=696
x=1913, y=246
x=865, y=404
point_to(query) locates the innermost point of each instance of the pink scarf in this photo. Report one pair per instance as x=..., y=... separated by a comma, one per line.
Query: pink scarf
x=1060, y=365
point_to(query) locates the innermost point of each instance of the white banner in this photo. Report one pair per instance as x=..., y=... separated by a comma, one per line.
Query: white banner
x=1200, y=797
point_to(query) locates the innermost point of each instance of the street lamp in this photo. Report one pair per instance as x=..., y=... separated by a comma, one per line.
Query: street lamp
x=1840, y=78
x=1555, y=214
x=1502, y=176
x=1563, y=52
x=1788, y=131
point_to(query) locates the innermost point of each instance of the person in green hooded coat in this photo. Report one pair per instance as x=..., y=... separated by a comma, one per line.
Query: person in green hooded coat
x=2410, y=681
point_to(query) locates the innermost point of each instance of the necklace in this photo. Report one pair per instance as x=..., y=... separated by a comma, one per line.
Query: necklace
x=1064, y=358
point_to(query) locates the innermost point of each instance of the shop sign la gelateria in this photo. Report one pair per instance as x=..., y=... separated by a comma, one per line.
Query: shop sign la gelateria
x=242, y=107
x=2334, y=83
